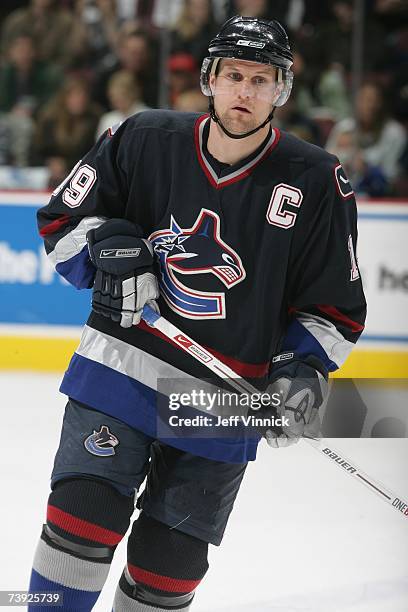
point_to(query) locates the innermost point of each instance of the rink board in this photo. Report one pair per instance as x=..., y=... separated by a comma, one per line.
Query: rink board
x=52, y=354
x=41, y=315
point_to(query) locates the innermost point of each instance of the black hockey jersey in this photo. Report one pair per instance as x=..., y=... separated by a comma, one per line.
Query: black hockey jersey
x=252, y=259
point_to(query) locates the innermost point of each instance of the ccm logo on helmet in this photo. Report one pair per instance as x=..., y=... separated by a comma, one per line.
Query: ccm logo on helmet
x=250, y=43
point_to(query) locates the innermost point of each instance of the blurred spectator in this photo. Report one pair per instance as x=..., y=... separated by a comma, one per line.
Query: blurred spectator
x=252, y=8
x=150, y=14
x=302, y=90
x=66, y=128
x=292, y=13
x=124, y=98
x=294, y=116
x=333, y=91
x=391, y=13
x=313, y=13
x=26, y=82
x=401, y=181
x=137, y=54
x=366, y=179
x=333, y=40
x=159, y=13
x=4, y=141
x=219, y=8
x=191, y=100
x=194, y=29
x=182, y=74
x=95, y=35
x=7, y=6
x=290, y=119
x=381, y=139
x=16, y=133
x=49, y=25
x=393, y=71
x=116, y=44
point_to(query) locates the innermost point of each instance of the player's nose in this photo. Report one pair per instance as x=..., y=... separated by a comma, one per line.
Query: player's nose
x=245, y=88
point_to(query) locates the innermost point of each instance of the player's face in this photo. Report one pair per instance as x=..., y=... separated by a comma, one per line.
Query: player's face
x=244, y=93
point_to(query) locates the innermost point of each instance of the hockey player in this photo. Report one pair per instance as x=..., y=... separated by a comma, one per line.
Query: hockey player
x=245, y=238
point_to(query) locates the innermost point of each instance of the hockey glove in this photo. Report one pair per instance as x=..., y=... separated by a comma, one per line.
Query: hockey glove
x=124, y=280
x=302, y=389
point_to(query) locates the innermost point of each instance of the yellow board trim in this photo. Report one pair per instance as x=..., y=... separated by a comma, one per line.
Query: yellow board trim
x=53, y=355
x=32, y=353
x=374, y=364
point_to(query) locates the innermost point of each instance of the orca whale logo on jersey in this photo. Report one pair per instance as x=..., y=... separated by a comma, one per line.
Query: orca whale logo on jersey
x=343, y=184
x=196, y=250
x=101, y=443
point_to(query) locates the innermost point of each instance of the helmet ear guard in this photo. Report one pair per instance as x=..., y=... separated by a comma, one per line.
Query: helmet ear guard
x=285, y=82
x=208, y=67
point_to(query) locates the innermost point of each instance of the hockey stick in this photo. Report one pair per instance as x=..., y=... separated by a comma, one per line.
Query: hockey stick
x=197, y=351
x=223, y=371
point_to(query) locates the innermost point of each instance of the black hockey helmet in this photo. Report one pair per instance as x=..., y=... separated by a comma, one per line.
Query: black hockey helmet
x=254, y=40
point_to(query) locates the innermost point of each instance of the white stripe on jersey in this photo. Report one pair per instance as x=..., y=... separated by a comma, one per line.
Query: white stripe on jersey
x=333, y=343
x=147, y=369
x=73, y=243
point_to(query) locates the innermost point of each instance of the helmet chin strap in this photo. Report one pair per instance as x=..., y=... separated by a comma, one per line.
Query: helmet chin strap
x=216, y=119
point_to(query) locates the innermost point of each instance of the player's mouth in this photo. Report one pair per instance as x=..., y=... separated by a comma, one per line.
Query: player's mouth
x=241, y=109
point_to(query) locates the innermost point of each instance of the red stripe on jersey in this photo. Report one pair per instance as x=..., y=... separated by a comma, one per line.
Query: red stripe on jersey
x=249, y=170
x=79, y=527
x=248, y=370
x=53, y=227
x=198, y=149
x=342, y=318
x=163, y=583
x=240, y=175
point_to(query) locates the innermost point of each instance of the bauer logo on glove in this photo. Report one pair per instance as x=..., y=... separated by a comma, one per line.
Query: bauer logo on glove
x=108, y=253
x=125, y=279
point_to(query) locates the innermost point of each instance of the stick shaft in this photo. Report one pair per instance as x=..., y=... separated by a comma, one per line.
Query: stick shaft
x=351, y=468
x=194, y=349
x=197, y=351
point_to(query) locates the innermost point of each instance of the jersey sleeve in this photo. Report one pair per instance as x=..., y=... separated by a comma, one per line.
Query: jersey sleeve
x=327, y=308
x=94, y=191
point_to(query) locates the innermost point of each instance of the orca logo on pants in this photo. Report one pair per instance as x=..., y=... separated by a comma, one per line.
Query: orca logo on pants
x=101, y=443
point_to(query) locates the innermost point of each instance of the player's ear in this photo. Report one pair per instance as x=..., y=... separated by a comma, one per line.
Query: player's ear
x=211, y=82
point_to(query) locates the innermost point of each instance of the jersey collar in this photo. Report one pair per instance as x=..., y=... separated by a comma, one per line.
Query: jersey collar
x=238, y=171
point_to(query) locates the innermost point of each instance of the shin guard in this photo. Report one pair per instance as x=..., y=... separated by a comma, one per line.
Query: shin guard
x=163, y=570
x=86, y=519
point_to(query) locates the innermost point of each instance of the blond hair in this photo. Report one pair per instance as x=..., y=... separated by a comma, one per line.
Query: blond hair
x=125, y=81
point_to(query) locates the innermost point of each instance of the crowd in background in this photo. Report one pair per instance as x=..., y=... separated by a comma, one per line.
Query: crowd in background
x=69, y=69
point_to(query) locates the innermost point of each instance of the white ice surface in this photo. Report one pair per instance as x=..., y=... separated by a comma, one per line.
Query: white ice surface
x=303, y=536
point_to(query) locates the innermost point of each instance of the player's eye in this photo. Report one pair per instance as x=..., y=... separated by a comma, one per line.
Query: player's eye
x=235, y=76
x=258, y=80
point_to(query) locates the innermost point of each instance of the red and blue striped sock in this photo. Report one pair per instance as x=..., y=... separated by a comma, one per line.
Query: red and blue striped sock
x=76, y=547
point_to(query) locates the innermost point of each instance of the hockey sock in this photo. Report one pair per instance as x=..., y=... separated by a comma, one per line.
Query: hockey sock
x=86, y=520
x=163, y=570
